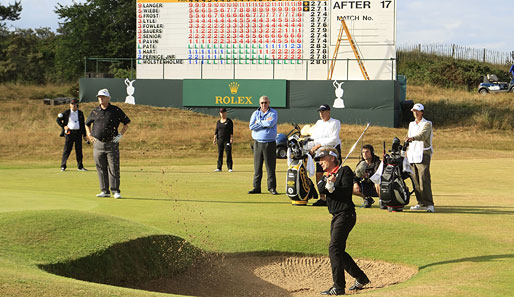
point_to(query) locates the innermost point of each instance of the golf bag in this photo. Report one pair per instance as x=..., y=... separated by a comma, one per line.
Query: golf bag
x=299, y=187
x=394, y=192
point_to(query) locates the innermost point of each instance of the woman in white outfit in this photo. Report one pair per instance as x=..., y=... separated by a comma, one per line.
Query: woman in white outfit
x=419, y=155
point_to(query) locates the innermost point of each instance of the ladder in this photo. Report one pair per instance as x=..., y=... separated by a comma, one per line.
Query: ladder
x=355, y=50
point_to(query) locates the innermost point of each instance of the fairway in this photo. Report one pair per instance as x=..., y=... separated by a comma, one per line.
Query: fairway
x=48, y=216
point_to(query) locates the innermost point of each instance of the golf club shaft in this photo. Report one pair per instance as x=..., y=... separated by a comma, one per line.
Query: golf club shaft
x=355, y=144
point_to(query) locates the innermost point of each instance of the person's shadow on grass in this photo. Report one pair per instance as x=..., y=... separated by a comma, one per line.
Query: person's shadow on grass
x=473, y=209
x=487, y=258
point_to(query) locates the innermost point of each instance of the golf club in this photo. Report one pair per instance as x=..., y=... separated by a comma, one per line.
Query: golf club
x=355, y=144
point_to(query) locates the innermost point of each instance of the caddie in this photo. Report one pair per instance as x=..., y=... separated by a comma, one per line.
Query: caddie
x=419, y=155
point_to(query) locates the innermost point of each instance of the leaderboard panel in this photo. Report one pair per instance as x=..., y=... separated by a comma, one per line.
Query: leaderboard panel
x=236, y=39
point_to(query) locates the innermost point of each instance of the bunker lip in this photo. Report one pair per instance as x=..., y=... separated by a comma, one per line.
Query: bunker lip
x=169, y=264
x=273, y=275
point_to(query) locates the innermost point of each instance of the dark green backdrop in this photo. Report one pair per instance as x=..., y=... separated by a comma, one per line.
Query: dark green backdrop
x=376, y=101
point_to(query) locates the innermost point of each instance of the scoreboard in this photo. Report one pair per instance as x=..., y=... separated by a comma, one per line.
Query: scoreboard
x=263, y=39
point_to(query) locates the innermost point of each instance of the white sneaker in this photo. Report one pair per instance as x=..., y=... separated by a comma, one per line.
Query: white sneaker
x=103, y=194
x=117, y=195
x=418, y=207
x=230, y=170
x=217, y=170
x=430, y=208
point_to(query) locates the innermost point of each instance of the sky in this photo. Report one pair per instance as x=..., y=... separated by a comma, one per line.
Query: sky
x=470, y=23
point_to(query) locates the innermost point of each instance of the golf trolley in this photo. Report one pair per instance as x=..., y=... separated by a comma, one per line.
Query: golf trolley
x=299, y=187
x=394, y=192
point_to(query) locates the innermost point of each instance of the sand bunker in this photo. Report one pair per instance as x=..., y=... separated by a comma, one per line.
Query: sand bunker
x=271, y=276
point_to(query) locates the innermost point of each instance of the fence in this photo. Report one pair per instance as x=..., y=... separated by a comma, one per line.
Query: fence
x=461, y=53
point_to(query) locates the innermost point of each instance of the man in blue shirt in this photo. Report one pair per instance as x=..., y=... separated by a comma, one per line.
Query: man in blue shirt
x=263, y=124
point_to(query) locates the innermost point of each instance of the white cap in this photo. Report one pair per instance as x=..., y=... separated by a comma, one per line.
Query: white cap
x=103, y=92
x=418, y=106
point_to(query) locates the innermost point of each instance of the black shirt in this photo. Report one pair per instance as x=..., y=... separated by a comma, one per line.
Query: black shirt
x=341, y=199
x=224, y=130
x=106, y=122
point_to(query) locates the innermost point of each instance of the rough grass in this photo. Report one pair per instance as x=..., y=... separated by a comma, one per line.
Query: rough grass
x=450, y=108
x=446, y=72
x=14, y=91
x=462, y=120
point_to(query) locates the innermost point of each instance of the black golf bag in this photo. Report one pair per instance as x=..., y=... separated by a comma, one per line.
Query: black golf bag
x=394, y=192
x=299, y=187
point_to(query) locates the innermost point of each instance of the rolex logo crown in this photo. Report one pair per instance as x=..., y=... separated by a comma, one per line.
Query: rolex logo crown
x=234, y=86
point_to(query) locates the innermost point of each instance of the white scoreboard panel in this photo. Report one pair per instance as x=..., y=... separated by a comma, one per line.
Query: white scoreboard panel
x=251, y=39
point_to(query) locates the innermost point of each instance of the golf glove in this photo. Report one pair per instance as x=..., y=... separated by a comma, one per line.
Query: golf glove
x=330, y=186
x=117, y=138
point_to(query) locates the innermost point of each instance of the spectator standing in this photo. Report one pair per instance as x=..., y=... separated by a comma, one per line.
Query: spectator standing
x=73, y=130
x=104, y=134
x=419, y=154
x=263, y=124
x=223, y=137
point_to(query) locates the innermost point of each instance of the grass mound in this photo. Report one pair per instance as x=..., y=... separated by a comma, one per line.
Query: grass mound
x=92, y=247
x=127, y=263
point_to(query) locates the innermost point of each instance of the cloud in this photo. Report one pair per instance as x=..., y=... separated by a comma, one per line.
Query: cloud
x=461, y=22
x=39, y=13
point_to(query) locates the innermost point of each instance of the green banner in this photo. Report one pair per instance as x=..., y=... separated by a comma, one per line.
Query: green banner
x=232, y=93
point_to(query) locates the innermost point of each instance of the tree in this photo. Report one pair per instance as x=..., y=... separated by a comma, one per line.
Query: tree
x=27, y=55
x=10, y=12
x=96, y=28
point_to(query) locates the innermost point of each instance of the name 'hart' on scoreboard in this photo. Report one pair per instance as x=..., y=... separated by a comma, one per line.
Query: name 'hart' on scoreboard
x=263, y=39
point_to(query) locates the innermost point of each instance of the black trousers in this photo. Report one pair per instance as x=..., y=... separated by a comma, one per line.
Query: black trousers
x=264, y=152
x=224, y=145
x=75, y=137
x=340, y=260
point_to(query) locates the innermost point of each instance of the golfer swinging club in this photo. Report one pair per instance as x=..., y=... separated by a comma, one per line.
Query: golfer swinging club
x=337, y=185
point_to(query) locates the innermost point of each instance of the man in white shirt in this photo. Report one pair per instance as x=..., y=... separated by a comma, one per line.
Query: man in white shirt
x=419, y=155
x=325, y=133
x=73, y=130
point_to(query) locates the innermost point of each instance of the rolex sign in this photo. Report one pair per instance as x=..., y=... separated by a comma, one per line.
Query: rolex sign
x=232, y=93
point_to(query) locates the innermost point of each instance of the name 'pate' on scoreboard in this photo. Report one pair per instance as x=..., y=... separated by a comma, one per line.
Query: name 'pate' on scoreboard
x=263, y=39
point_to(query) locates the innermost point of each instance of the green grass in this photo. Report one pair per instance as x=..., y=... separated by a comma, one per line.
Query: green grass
x=464, y=249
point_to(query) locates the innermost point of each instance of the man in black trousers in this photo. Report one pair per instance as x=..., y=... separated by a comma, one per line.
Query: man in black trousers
x=73, y=130
x=337, y=185
x=263, y=124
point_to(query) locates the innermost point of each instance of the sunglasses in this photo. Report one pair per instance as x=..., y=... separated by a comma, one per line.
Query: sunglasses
x=264, y=102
